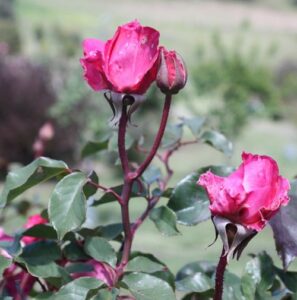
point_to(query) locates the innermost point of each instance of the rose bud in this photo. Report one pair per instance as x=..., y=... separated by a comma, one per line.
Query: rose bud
x=31, y=222
x=172, y=74
x=242, y=203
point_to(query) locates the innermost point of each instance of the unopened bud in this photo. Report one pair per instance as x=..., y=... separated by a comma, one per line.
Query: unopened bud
x=46, y=132
x=172, y=73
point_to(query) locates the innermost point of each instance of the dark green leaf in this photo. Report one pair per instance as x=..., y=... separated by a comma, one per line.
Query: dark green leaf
x=218, y=141
x=152, y=174
x=232, y=287
x=206, y=267
x=146, y=263
x=67, y=206
x=43, y=296
x=106, y=294
x=111, y=231
x=41, y=231
x=172, y=135
x=73, y=251
x=288, y=278
x=208, y=295
x=79, y=267
x=4, y=263
x=165, y=220
x=198, y=282
x=195, y=125
x=101, y=250
x=93, y=147
x=284, y=225
x=22, y=179
x=41, y=252
x=148, y=287
x=190, y=201
x=12, y=247
x=77, y=289
x=89, y=189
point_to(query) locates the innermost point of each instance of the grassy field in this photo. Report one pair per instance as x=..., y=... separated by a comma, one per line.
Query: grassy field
x=183, y=25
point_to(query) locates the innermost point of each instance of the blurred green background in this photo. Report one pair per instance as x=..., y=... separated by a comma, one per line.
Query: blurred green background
x=241, y=57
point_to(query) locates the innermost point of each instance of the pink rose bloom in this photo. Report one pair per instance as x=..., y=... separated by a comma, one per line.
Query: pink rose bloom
x=32, y=221
x=101, y=271
x=127, y=63
x=251, y=195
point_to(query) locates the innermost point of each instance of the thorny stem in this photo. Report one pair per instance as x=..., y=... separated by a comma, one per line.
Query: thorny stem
x=158, y=138
x=130, y=177
x=220, y=276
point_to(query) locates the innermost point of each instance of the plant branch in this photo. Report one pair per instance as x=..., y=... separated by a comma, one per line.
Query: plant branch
x=158, y=138
x=121, y=140
x=106, y=190
x=220, y=276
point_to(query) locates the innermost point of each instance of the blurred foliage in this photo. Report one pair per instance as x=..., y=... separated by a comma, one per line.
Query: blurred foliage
x=9, y=32
x=241, y=79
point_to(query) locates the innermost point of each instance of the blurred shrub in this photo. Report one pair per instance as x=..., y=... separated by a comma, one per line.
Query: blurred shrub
x=25, y=97
x=243, y=82
x=9, y=32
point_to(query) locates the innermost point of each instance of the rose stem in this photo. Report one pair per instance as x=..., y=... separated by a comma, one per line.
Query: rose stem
x=220, y=276
x=130, y=177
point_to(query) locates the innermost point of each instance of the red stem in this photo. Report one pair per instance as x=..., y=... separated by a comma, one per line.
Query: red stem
x=158, y=138
x=220, y=276
x=131, y=177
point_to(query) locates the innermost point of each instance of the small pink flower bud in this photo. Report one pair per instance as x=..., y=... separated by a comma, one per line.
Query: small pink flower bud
x=46, y=132
x=172, y=74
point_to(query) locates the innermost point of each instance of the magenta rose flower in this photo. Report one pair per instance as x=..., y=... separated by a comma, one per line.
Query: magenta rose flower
x=127, y=63
x=251, y=195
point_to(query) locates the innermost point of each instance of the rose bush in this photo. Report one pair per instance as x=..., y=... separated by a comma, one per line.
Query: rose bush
x=58, y=255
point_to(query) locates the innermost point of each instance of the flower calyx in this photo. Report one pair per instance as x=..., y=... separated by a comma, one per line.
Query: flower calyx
x=119, y=102
x=235, y=237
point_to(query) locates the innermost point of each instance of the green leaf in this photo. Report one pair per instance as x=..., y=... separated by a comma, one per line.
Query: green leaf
x=151, y=174
x=67, y=205
x=165, y=220
x=113, y=142
x=101, y=250
x=48, y=270
x=195, y=125
x=208, y=295
x=93, y=147
x=74, y=251
x=22, y=179
x=232, y=287
x=77, y=289
x=190, y=201
x=146, y=263
x=4, y=263
x=198, y=282
x=12, y=247
x=90, y=190
x=172, y=135
x=288, y=278
x=106, y=294
x=41, y=231
x=190, y=269
x=81, y=267
x=147, y=287
x=43, y=296
x=41, y=252
x=218, y=141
